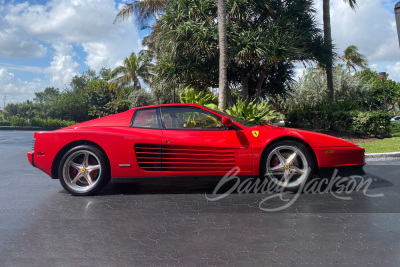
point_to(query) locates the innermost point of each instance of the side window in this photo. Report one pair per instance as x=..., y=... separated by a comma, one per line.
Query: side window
x=190, y=119
x=146, y=118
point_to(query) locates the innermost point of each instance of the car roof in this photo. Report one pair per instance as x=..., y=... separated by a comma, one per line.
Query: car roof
x=172, y=105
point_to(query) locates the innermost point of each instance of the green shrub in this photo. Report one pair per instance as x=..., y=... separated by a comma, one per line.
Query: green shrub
x=375, y=123
x=396, y=127
x=341, y=121
x=5, y=123
x=18, y=121
x=190, y=96
x=140, y=98
x=259, y=113
x=50, y=123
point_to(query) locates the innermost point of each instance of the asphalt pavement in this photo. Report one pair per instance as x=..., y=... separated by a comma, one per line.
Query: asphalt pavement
x=181, y=223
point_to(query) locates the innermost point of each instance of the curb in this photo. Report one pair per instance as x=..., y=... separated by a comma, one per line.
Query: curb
x=382, y=156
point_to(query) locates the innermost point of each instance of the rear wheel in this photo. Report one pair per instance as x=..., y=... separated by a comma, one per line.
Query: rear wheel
x=83, y=170
x=288, y=164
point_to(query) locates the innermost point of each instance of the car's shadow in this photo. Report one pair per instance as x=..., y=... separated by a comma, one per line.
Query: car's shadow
x=189, y=186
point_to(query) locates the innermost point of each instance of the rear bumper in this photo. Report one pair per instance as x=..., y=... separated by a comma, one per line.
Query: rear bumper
x=341, y=171
x=30, y=158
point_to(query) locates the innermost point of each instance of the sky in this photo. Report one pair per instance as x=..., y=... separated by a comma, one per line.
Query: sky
x=45, y=43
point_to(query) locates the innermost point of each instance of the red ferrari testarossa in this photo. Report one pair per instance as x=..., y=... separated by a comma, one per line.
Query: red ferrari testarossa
x=185, y=140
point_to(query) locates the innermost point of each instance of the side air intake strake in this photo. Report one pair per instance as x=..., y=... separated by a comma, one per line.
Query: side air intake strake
x=184, y=158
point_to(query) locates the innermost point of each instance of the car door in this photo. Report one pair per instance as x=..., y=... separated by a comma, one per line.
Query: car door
x=195, y=143
x=145, y=137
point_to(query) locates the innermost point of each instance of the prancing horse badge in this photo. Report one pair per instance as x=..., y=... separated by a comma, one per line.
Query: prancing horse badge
x=255, y=133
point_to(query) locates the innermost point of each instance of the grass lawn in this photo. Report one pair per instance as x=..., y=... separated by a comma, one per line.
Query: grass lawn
x=385, y=145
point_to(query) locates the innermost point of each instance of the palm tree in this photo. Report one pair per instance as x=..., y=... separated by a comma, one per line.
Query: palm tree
x=132, y=68
x=328, y=42
x=145, y=10
x=353, y=58
x=223, y=60
x=142, y=10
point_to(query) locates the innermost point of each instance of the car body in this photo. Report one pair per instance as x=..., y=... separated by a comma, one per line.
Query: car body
x=395, y=118
x=184, y=140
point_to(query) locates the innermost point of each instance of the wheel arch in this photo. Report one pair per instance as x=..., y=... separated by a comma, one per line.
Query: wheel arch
x=66, y=148
x=289, y=138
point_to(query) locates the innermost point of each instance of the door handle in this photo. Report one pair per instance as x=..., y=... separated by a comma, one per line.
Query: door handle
x=167, y=141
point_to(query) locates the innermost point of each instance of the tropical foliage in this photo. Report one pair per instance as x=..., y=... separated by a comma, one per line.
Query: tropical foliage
x=190, y=96
x=129, y=73
x=255, y=112
x=328, y=63
x=311, y=89
x=353, y=58
x=260, y=51
x=88, y=97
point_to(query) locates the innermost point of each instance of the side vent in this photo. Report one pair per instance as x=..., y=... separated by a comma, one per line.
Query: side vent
x=148, y=157
x=182, y=158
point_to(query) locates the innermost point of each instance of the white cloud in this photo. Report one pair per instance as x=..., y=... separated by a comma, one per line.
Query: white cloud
x=63, y=67
x=394, y=71
x=13, y=46
x=86, y=22
x=110, y=52
x=27, y=30
x=17, y=90
x=371, y=27
x=26, y=68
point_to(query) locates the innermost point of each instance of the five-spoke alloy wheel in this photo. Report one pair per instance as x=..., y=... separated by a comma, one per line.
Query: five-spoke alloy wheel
x=288, y=164
x=83, y=170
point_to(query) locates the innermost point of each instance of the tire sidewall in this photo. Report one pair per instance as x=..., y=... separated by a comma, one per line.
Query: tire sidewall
x=298, y=145
x=104, y=176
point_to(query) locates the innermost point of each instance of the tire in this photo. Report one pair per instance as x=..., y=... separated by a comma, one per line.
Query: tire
x=84, y=170
x=287, y=164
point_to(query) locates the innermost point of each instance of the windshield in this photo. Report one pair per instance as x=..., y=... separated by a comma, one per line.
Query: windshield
x=243, y=122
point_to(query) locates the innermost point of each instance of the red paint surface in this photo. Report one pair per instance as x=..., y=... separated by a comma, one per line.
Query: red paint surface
x=157, y=152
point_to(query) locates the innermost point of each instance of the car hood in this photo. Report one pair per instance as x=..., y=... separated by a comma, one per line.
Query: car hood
x=314, y=139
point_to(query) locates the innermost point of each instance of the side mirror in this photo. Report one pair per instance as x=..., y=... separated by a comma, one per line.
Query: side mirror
x=227, y=121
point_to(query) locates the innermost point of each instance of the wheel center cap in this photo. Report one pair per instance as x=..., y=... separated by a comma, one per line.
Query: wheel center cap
x=287, y=166
x=83, y=170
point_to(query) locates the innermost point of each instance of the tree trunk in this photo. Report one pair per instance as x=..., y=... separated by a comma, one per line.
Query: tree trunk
x=260, y=82
x=328, y=42
x=223, y=79
x=245, y=88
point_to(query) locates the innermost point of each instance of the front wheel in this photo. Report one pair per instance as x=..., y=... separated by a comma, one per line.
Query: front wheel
x=288, y=164
x=83, y=170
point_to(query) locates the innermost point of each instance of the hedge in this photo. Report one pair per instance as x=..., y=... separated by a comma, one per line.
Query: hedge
x=375, y=123
x=38, y=122
x=55, y=123
x=5, y=123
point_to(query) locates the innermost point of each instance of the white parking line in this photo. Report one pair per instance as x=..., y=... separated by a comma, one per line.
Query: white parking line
x=5, y=140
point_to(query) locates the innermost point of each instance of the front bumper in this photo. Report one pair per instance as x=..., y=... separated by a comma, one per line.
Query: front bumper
x=338, y=157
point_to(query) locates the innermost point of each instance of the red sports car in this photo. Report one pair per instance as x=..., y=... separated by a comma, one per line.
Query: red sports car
x=185, y=140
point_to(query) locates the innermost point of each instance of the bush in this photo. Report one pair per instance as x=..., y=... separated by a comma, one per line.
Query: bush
x=260, y=113
x=375, y=123
x=18, y=121
x=140, y=98
x=396, y=127
x=190, y=96
x=50, y=123
x=5, y=123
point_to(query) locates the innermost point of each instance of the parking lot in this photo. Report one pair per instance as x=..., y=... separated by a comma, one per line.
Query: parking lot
x=174, y=223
